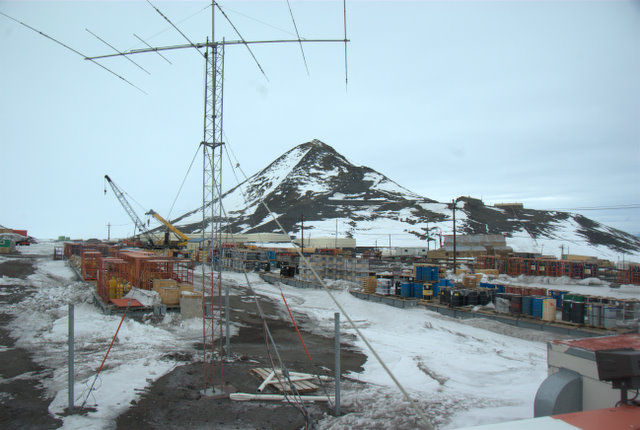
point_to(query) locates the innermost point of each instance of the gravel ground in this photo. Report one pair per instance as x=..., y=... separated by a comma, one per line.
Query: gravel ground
x=174, y=401
x=24, y=402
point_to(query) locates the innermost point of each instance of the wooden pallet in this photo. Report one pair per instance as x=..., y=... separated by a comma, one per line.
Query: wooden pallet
x=301, y=381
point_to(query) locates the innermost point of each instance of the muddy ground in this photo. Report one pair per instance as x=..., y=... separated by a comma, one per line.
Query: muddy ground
x=175, y=401
x=24, y=404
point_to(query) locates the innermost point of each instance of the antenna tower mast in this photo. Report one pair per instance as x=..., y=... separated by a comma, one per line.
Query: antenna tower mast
x=212, y=212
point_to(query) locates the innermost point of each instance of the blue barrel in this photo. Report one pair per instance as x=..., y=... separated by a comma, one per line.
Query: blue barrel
x=405, y=290
x=527, y=304
x=418, y=290
x=436, y=290
x=537, y=306
x=559, y=296
x=426, y=273
x=500, y=288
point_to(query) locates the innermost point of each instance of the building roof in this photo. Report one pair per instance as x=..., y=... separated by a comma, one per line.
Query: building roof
x=628, y=341
x=481, y=239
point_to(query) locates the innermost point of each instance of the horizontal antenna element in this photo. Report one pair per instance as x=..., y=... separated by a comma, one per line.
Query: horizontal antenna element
x=119, y=52
x=73, y=50
x=140, y=39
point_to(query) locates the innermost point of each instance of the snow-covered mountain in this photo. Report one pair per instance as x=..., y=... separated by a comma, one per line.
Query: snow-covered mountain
x=315, y=181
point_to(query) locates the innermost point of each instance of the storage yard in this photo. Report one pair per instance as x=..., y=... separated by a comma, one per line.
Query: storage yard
x=117, y=270
x=149, y=285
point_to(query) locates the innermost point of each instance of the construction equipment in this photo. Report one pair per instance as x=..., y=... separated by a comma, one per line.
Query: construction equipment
x=139, y=224
x=183, y=237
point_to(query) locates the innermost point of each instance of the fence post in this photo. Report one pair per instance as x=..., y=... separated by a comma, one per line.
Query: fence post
x=71, y=358
x=337, y=361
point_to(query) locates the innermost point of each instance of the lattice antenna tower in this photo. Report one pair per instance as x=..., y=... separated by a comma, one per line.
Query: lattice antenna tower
x=212, y=144
x=212, y=211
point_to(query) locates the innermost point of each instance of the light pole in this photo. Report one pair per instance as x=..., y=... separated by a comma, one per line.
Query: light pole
x=454, y=202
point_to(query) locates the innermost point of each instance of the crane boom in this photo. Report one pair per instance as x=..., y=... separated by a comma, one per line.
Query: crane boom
x=142, y=228
x=184, y=238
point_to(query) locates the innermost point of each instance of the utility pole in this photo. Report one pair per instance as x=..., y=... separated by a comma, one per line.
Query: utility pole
x=108, y=231
x=454, y=235
x=428, y=237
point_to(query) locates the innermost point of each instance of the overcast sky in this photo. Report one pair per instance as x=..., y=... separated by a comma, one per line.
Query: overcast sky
x=529, y=101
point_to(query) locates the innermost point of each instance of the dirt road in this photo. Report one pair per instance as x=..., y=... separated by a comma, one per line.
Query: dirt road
x=24, y=402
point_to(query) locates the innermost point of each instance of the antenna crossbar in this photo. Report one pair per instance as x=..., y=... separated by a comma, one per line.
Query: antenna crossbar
x=201, y=45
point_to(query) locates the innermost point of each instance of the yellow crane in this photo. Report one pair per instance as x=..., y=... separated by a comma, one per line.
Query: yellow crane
x=184, y=238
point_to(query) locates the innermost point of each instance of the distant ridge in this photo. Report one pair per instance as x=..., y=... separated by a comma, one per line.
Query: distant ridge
x=315, y=181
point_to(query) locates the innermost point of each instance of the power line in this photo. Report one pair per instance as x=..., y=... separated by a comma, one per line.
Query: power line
x=259, y=21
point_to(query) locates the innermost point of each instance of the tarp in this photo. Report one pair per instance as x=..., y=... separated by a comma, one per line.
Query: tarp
x=145, y=297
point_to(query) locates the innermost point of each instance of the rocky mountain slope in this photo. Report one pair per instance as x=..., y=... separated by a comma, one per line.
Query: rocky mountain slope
x=315, y=181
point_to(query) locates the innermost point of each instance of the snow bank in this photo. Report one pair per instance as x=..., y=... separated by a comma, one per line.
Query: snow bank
x=454, y=370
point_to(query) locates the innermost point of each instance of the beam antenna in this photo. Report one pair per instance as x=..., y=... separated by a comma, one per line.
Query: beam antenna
x=74, y=51
x=243, y=41
x=174, y=26
x=119, y=52
x=149, y=46
x=346, y=75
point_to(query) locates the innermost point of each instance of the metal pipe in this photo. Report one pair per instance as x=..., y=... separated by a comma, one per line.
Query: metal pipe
x=337, y=361
x=227, y=315
x=71, y=358
x=454, y=235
